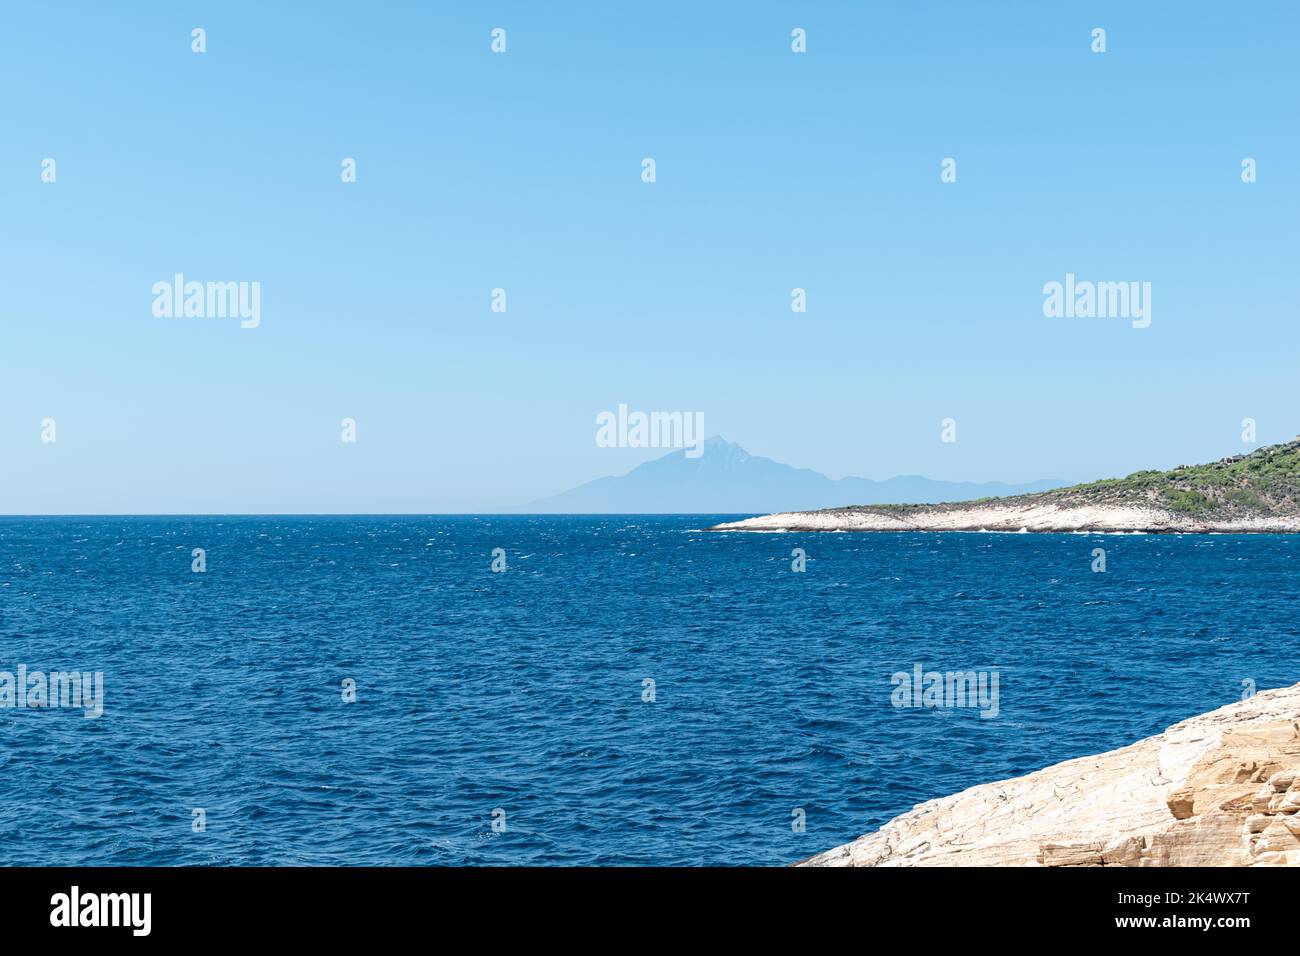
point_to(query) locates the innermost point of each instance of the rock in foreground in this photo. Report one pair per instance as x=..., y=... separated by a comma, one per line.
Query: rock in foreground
x=1220, y=789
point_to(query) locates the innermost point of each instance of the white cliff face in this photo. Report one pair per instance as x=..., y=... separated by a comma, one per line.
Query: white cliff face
x=1220, y=789
x=1007, y=516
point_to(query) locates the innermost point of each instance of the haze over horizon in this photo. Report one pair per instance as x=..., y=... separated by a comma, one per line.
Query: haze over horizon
x=726, y=479
x=522, y=171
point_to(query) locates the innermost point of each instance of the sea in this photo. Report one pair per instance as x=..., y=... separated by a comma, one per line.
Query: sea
x=580, y=690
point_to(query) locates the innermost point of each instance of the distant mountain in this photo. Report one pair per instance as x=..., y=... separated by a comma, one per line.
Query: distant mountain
x=726, y=479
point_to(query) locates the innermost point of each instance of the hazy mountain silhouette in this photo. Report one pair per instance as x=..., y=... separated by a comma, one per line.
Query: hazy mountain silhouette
x=726, y=479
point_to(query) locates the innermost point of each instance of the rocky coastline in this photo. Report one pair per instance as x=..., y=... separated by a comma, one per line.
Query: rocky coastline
x=1257, y=493
x=1013, y=515
x=1218, y=789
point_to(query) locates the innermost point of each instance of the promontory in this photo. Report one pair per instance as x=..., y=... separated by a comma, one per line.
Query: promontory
x=1257, y=492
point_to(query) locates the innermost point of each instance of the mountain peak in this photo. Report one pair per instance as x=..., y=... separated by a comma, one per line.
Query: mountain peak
x=727, y=479
x=719, y=446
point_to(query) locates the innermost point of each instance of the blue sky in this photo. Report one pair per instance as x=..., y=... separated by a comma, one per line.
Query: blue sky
x=775, y=170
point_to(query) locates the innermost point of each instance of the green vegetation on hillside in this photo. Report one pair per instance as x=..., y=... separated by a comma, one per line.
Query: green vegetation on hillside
x=1265, y=482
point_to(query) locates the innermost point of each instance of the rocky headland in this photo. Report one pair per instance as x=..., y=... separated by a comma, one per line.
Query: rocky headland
x=1254, y=493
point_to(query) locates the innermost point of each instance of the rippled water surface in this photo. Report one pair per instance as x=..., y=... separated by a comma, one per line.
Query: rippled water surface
x=523, y=690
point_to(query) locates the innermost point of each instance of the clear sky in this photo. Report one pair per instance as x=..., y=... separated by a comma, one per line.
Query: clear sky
x=522, y=171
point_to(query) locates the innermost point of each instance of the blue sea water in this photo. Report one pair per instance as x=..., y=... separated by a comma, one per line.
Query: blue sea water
x=522, y=691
